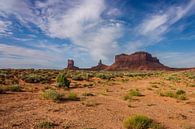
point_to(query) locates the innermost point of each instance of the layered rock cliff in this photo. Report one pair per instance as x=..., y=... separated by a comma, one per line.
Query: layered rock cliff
x=136, y=61
x=71, y=65
x=99, y=67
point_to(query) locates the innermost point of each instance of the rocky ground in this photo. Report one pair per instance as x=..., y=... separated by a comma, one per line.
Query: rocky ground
x=102, y=105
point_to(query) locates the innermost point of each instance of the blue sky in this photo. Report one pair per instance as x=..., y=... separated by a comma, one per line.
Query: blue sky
x=45, y=33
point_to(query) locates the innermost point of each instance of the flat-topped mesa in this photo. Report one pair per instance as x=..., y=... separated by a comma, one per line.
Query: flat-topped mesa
x=136, y=61
x=137, y=57
x=71, y=65
x=99, y=67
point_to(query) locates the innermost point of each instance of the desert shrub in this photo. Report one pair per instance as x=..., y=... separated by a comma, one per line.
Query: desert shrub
x=90, y=103
x=192, y=85
x=52, y=95
x=142, y=75
x=87, y=94
x=73, y=96
x=131, y=93
x=190, y=75
x=2, y=80
x=140, y=122
x=35, y=78
x=46, y=125
x=62, y=81
x=2, y=89
x=14, y=88
x=178, y=94
x=104, y=76
x=172, y=77
x=80, y=77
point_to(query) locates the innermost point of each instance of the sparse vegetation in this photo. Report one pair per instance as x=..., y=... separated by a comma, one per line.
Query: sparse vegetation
x=90, y=103
x=52, y=95
x=178, y=94
x=173, y=77
x=46, y=125
x=131, y=93
x=87, y=94
x=140, y=122
x=62, y=81
x=104, y=76
x=80, y=77
x=73, y=96
x=36, y=78
x=99, y=93
x=13, y=88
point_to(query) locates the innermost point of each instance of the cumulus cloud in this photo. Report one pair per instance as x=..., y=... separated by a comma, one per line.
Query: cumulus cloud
x=85, y=27
x=82, y=22
x=79, y=21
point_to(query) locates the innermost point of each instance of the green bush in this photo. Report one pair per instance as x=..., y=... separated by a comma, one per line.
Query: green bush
x=14, y=88
x=46, y=125
x=137, y=122
x=140, y=122
x=52, y=95
x=2, y=90
x=104, y=76
x=80, y=77
x=72, y=96
x=178, y=94
x=35, y=78
x=131, y=93
x=87, y=94
x=62, y=81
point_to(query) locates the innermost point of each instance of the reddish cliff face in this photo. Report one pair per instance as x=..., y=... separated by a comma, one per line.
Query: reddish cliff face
x=136, y=61
x=71, y=65
x=99, y=67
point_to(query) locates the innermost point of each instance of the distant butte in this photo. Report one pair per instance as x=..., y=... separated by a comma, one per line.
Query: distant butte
x=71, y=65
x=99, y=67
x=136, y=61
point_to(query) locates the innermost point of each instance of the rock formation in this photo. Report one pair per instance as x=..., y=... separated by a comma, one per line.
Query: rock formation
x=99, y=67
x=137, y=61
x=71, y=65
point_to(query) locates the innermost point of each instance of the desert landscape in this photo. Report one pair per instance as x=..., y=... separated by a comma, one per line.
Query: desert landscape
x=138, y=98
x=97, y=64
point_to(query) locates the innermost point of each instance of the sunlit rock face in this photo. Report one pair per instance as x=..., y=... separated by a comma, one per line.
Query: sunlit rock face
x=137, y=61
x=71, y=65
x=99, y=67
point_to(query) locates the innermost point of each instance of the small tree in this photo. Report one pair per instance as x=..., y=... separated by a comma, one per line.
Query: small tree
x=62, y=81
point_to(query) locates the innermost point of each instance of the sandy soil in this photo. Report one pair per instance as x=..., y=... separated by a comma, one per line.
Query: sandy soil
x=24, y=110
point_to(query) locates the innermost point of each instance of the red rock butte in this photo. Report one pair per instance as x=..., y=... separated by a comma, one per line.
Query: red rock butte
x=136, y=61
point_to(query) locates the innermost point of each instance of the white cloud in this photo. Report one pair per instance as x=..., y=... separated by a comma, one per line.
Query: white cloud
x=76, y=20
x=177, y=59
x=4, y=27
x=155, y=26
x=22, y=57
x=101, y=42
x=85, y=27
x=79, y=21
